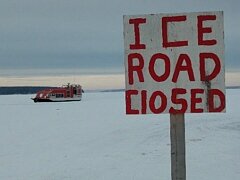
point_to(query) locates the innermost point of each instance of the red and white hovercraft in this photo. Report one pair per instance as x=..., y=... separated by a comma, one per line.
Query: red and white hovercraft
x=69, y=92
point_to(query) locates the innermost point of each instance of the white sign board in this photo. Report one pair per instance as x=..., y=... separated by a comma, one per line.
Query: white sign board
x=174, y=63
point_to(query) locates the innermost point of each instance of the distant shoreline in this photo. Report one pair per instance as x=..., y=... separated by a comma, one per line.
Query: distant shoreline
x=10, y=90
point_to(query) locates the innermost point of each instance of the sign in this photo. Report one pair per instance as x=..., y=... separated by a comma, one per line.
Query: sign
x=174, y=63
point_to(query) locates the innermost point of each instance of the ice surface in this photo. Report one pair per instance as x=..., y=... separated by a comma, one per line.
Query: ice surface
x=95, y=140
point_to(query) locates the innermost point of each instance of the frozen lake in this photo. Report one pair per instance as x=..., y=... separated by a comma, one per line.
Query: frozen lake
x=95, y=140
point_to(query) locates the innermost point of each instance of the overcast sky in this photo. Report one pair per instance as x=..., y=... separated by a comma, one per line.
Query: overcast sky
x=88, y=34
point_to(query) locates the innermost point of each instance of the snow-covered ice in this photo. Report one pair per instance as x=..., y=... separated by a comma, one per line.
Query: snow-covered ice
x=95, y=140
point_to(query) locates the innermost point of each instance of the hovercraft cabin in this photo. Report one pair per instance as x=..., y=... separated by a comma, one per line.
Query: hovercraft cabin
x=69, y=92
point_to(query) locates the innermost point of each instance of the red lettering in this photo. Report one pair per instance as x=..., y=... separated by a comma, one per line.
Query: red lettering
x=212, y=93
x=144, y=101
x=136, y=22
x=202, y=30
x=151, y=68
x=138, y=68
x=195, y=100
x=128, y=95
x=163, y=100
x=216, y=70
x=165, y=21
x=181, y=101
x=180, y=67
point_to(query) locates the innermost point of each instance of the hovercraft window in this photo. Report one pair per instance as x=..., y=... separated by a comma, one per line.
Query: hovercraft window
x=59, y=95
x=74, y=90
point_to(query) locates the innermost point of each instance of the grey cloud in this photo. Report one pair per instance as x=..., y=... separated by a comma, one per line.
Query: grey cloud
x=62, y=33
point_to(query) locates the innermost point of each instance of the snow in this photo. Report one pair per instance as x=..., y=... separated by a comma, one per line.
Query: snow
x=95, y=140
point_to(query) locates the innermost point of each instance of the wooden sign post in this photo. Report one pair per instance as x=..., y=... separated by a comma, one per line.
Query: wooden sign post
x=177, y=134
x=174, y=63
